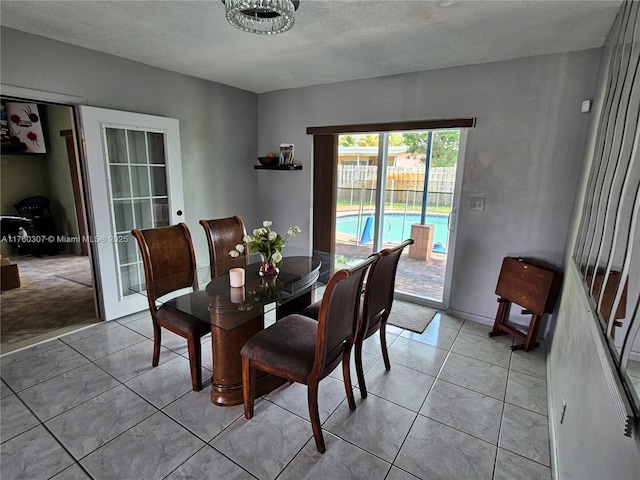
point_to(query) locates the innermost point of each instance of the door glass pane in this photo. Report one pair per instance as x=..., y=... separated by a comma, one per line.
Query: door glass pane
x=158, y=181
x=116, y=145
x=137, y=146
x=140, y=181
x=142, y=212
x=130, y=276
x=123, y=215
x=160, y=212
x=120, y=187
x=357, y=180
x=127, y=248
x=156, y=148
x=418, y=202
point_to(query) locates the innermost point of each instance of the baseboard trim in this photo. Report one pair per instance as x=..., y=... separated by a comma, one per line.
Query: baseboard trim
x=470, y=316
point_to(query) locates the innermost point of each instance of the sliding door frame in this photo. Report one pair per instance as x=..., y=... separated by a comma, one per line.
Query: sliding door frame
x=325, y=167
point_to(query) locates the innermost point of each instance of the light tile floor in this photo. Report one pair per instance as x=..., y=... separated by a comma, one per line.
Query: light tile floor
x=455, y=405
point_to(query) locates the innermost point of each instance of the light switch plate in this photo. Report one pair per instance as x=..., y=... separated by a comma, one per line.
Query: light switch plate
x=477, y=204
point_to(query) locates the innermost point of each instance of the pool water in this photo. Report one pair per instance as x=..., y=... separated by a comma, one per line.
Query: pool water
x=397, y=227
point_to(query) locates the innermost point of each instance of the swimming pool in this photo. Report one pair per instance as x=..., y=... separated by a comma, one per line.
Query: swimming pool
x=397, y=226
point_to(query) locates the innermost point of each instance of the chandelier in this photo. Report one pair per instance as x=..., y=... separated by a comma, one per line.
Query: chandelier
x=265, y=17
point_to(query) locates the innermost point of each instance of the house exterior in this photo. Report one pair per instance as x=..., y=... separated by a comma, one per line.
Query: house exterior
x=369, y=156
x=528, y=155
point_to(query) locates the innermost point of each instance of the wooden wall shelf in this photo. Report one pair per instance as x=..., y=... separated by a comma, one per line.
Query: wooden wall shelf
x=278, y=167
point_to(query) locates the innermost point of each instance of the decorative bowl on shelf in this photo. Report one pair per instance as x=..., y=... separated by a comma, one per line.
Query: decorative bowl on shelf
x=268, y=161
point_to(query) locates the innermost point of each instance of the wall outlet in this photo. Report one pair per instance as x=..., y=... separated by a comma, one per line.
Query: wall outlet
x=477, y=204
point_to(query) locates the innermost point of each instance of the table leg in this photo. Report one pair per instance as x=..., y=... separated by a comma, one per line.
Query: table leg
x=501, y=316
x=226, y=381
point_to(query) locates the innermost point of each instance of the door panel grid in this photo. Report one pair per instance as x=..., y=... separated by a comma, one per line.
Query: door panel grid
x=138, y=189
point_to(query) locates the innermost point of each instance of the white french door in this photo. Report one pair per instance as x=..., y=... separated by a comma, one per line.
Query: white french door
x=134, y=176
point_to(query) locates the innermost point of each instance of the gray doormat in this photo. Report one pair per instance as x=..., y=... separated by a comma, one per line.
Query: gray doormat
x=410, y=316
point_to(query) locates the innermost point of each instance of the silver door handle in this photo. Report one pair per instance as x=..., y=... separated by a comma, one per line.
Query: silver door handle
x=449, y=222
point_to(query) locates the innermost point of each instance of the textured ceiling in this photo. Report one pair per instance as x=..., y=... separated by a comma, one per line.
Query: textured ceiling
x=331, y=40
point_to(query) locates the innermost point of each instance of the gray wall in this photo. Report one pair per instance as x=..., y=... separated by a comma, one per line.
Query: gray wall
x=589, y=443
x=524, y=154
x=21, y=176
x=217, y=122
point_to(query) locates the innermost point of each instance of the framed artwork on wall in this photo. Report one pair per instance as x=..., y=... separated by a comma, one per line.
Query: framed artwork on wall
x=21, y=128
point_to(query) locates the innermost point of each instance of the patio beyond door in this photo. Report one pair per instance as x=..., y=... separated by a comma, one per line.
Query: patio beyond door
x=397, y=185
x=135, y=181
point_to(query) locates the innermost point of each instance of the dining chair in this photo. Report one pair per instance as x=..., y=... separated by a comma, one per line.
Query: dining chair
x=223, y=234
x=170, y=265
x=301, y=349
x=376, y=306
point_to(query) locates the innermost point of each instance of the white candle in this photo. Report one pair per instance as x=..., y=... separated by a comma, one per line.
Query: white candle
x=237, y=294
x=236, y=277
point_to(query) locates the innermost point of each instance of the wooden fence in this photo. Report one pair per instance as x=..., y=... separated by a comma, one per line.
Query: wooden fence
x=357, y=184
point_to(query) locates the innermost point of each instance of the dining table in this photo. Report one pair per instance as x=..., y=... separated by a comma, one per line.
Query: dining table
x=235, y=314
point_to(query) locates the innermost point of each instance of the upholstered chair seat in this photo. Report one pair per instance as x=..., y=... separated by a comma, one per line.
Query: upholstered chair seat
x=290, y=344
x=171, y=317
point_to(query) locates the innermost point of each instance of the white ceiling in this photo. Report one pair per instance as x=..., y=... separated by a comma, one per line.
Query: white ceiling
x=331, y=41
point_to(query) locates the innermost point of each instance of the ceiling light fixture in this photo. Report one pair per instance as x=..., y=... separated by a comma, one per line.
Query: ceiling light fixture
x=265, y=17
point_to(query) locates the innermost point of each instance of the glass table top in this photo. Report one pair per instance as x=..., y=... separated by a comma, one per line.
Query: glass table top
x=219, y=304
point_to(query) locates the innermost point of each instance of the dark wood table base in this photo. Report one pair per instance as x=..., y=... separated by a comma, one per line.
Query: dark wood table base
x=226, y=381
x=230, y=395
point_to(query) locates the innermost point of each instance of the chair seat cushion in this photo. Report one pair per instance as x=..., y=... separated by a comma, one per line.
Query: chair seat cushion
x=313, y=310
x=170, y=317
x=289, y=345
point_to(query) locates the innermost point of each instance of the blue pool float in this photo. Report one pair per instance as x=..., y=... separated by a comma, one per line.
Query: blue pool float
x=439, y=248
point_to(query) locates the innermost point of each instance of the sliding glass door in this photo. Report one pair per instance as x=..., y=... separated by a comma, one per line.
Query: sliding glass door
x=397, y=185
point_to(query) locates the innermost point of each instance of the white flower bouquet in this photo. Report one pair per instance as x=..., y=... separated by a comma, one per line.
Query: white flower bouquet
x=268, y=243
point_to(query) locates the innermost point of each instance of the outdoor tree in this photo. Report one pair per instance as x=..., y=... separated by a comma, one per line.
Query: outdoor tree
x=369, y=140
x=396, y=139
x=347, y=141
x=444, y=147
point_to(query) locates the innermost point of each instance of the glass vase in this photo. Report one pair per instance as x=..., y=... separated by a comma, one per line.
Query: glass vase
x=268, y=268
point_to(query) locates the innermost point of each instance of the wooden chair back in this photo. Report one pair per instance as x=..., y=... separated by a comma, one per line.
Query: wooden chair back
x=223, y=234
x=168, y=258
x=339, y=315
x=381, y=282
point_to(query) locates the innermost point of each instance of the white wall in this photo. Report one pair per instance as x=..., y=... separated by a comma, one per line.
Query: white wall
x=524, y=155
x=217, y=122
x=589, y=444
